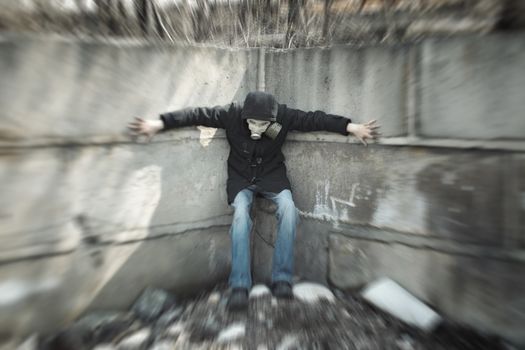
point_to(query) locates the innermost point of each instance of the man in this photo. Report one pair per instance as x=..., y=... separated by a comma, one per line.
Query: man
x=256, y=132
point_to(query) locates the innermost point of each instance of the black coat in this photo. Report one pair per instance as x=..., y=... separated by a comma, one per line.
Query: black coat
x=258, y=162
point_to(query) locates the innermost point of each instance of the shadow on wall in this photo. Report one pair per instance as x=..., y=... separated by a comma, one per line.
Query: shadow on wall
x=190, y=248
x=186, y=245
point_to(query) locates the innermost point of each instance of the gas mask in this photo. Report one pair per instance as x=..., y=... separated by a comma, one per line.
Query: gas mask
x=257, y=127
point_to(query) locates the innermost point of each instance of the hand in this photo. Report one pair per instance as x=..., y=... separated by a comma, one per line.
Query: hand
x=145, y=127
x=364, y=131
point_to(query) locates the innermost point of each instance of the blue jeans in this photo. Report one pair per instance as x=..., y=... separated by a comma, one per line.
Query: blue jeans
x=282, y=264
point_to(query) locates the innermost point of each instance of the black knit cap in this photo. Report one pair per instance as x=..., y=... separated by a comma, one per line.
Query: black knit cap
x=259, y=105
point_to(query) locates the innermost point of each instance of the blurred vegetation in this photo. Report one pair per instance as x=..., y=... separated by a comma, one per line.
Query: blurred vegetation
x=275, y=23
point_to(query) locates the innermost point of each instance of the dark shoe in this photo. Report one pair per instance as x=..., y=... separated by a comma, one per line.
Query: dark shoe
x=238, y=299
x=282, y=290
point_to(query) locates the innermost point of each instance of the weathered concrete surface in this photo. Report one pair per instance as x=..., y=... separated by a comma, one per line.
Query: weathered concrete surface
x=88, y=218
x=435, y=199
x=80, y=224
x=361, y=84
x=349, y=267
x=475, y=84
x=43, y=294
x=55, y=90
x=470, y=202
x=436, y=193
x=56, y=198
x=429, y=192
x=466, y=286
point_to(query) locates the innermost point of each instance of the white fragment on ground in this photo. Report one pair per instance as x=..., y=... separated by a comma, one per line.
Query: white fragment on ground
x=176, y=329
x=262, y=347
x=392, y=298
x=260, y=316
x=274, y=301
x=214, y=298
x=259, y=290
x=163, y=345
x=289, y=342
x=312, y=292
x=233, y=332
x=135, y=341
x=104, y=347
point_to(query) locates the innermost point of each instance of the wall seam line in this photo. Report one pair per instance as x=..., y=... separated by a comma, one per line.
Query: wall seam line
x=261, y=74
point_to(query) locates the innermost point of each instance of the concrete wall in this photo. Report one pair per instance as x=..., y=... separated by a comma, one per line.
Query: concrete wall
x=437, y=205
x=88, y=217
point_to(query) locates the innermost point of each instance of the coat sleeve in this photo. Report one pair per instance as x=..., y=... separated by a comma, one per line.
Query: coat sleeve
x=214, y=117
x=316, y=121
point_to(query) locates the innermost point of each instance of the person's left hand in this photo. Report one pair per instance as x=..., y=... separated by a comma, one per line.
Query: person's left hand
x=147, y=127
x=364, y=131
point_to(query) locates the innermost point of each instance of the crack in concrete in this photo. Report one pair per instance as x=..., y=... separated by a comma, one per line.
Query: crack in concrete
x=107, y=243
x=463, y=249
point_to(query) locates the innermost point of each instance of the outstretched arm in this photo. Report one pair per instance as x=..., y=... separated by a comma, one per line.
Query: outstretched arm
x=215, y=117
x=316, y=121
x=321, y=121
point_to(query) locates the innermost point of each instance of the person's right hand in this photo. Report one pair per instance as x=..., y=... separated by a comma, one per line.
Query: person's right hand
x=146, y=127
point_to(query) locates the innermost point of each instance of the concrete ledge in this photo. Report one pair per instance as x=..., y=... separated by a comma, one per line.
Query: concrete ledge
x=432, y=243
x=206, y=135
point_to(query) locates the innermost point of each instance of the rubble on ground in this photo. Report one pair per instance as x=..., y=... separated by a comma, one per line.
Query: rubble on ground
x=324, y=319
